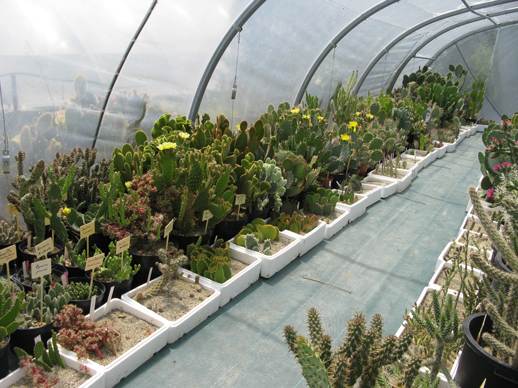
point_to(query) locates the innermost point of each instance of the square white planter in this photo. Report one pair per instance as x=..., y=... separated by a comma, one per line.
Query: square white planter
x=480, y=127
x=373, y=195
x=96, y=381
x=442, y=257
x=272, y=264
x=427, y=158
x=462, y=135
x=237, y=283
x=136, y=356
x=448, y=264
x=176, y=329
x=402, y=183
x=411, y=166
x=338, y=224
x=441, y=151
x=387, y=190
x=471, y=243
x=311, y=239
x=355, y=210
x=468, y=129
x=450, y=147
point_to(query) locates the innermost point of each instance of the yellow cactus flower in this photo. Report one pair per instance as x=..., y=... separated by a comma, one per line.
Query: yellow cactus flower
x=66, y=211
x=353, y=125
x=358, y=113
x=128, y=184
x=184, y=135
x=369, y=116
x=306, y=117
x=320, y=118
x=345, y=137
x=295, y=111
x=167, y=146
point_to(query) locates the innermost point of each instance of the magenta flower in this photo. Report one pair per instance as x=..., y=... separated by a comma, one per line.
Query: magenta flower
x=490, y=193
x=496, y=167
x=506, y=164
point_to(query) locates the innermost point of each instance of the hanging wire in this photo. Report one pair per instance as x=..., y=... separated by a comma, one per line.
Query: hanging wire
x=332, y=71
x=234, y=87
x=6, y=139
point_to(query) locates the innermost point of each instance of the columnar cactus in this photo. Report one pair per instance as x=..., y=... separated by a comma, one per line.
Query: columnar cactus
x=501, y=307
x=360, y=357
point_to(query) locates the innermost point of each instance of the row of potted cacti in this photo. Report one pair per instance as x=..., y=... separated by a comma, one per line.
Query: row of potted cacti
x=188, y=180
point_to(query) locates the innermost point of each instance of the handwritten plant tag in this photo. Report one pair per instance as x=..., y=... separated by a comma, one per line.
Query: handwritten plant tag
x=12, y=210
x=169, y=227
x=122, y=245
x=240, y=199
x=44, y=248
x=87, y=230
x=41, y=268
x=94, y=262
x=7, y=254
x=207, y=215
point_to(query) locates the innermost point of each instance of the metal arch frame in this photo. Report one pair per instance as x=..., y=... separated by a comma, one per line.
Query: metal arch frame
x=218, y=53
x=121, y=65
x=417, y=27
x=402, y=65
x=337, y=38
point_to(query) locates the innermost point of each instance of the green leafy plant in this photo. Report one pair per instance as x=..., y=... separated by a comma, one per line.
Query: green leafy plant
x=11, y=303
x=296, y=223
x=80, y=291
x=255, y=233
x=211, y=262
x=113, y=270
x=321, y=202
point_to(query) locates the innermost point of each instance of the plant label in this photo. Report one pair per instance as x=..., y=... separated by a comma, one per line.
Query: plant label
x=37, y=339
x=12, y=210
x=169, y=227
x=64, y=280
x=8, y=254
x=110, y=294
x=240, y=199
x=313, y=160
x=47, y=221
x=92, y=304
x=122, y=245
x=25, y=267
x=207, y=215
x=44, y=248
x=94, y=262
x=87, y=230
x=41, y=268
x=149, y=276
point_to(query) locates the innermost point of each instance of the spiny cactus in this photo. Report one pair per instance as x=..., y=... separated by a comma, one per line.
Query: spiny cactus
x=11, y=303
x=9, y=233
x=168, y=266
x=360, y=357
x=501, y=307
x=53, y=302
x=44, y=358
x=211, y=262
x=322, y=202
x=296, y=223
x=112, y=270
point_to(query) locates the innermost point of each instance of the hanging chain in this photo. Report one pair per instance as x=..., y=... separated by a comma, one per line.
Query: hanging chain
x=234, y=87
x=6, y=141
x=332, y=71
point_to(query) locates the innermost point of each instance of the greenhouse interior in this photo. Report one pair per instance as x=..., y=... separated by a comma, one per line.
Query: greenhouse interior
x=252, y=193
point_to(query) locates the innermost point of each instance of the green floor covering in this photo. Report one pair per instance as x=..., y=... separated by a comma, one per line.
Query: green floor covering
x=384, y=258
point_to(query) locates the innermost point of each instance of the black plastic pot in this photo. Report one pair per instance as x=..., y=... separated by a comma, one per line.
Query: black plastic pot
x=26, y=256
x=4, y=359
x=265, y=213
x=476, y=364
x=18, y=278
x=146, y=262
x=24, y=338
x=85, y=304
x=498, y=262
x=227, y=229
x=182, y=242
x=120, y=288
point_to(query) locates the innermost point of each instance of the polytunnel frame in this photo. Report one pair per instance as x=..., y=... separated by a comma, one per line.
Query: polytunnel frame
x=121, y=65
x=412, y=53
x=417, y=27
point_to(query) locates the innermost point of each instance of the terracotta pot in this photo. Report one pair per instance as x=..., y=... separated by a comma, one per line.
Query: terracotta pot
x=363, y=171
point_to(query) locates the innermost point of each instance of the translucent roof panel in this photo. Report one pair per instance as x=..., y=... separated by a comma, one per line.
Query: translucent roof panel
x=273, y=60
x=45, y=47
x=165, y=65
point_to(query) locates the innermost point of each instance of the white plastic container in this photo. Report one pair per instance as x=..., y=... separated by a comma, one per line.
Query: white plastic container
x=311, y=239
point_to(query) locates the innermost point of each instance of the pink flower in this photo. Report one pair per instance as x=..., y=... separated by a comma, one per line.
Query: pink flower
x=496, y=167
x=493, y=156
x=506, y=164
x=490, y=193
x=493, y=138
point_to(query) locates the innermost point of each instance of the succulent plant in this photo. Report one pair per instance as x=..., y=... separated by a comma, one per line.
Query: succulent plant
x=321, y=202
x=53, y=302
x=80, y=291
x=299, y=175
x=9, y=233
x=296, y=223
x=257, y=232
x=113, y=270
x=360, y=357
x=211, y=262
x=11, y=303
